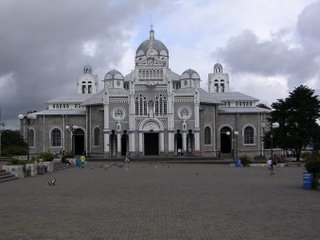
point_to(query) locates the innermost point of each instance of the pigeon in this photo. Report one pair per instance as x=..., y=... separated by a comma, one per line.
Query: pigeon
x=52, y=182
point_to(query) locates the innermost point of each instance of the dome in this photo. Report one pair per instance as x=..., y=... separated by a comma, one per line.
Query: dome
x=113, y=75
x=190, y=74
x=157, y=46
x=217, y=68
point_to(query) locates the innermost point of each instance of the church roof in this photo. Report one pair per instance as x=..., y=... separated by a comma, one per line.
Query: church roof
x=78, y=98
x=61, y=112
x=129, y=76
x=243, y=110
x=173, y=76
x=95, y=99
x=206, y=97
x=233, y=96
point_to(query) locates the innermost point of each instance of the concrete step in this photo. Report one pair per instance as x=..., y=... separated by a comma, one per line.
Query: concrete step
x=60, y=166
x=5, y=176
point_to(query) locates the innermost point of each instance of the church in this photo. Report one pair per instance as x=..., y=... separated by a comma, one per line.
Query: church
x=151, y=111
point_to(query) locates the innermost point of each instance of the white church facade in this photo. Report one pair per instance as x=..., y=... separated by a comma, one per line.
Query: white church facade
x=152, y=111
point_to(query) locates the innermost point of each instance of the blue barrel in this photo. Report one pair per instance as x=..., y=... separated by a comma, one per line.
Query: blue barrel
x=238, y=163
x=78, y=162
x=307, y=180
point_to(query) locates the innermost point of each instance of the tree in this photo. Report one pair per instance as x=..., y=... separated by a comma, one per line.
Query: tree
x=297, y=115
x=12, y=143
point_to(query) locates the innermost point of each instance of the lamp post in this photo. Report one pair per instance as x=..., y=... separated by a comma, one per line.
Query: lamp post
x=273, y=125
x=2, y=124
x=27, y=120
x=234, y=146
x=71, y=129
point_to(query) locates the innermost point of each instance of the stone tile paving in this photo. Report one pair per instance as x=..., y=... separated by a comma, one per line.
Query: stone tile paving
x=169, y=201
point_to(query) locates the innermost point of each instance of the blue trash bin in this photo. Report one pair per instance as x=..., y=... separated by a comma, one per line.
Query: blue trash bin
x=307, y=180
x=238, y=163
x=78, y=162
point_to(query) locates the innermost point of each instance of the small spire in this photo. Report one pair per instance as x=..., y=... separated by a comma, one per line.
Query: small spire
x=151, y=32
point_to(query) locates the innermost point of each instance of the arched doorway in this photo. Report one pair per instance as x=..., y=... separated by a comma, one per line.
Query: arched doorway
x=190, y=143
x=225, y=140
x=124, y=143
x=151, y=136
x=113, y=144
x=178, y=143
x=78, y=141
x=151, y=143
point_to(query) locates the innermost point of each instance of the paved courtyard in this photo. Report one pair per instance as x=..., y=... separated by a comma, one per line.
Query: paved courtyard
x=161, y=201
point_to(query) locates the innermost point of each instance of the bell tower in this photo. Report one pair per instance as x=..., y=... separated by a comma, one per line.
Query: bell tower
x=218, y=81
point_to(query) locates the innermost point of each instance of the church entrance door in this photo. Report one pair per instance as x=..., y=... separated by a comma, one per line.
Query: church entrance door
x=151, y=144
x=124, y=143
x=225, y=140
x=78, y=140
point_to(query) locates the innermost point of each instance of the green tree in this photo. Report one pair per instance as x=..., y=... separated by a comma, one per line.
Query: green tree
x=12, y=143
x=297, y=115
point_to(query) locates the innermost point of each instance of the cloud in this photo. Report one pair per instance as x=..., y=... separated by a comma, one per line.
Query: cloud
x=246, y=53
x=46, y=44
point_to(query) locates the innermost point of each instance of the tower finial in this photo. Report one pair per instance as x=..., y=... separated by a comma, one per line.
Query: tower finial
x=151, y=29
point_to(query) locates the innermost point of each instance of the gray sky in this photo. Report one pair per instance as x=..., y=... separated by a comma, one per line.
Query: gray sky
x=268, y=47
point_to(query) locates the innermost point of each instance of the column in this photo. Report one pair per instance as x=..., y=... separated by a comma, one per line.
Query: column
x=196, y=142
x=184, y=142
x=119, y=143
x=161, y=135
x=197, y=123
x=106, y=130
x=170, y=141
x=141, y=143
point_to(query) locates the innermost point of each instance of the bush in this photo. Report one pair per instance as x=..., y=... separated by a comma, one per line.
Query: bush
x=18, y=162
x=46, y=156
x=14, y=151
x=260, y=158
x=245, y=160
x=313, y=166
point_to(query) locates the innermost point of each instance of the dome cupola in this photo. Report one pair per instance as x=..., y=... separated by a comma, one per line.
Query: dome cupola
x=113, y=79
x=152, y=52
x=190, y=78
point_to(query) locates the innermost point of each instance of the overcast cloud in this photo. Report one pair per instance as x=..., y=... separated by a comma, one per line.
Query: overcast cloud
x=268, y=47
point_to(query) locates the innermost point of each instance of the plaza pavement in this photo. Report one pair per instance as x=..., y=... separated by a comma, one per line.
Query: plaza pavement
x=161, y=201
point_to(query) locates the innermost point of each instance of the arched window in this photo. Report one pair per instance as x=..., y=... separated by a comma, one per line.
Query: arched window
x=248, y=135
x=96, y=137
x=144, y=106
x=31, y=138
x=157, y=106
x=207, y=135
x=137, y=106
x=56, y=138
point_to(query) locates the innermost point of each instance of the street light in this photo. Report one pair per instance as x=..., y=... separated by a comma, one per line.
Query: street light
x=273, y=125
x=71, y=129
x=2, y=124
x=234, y=138
x=29, y=120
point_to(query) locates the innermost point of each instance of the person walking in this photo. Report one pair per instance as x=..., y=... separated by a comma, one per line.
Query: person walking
x=270, y=166
x=83, y=160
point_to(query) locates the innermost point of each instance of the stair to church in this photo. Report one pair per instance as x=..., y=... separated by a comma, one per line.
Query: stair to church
x=60, y=166
x=5, y=176
x=174, y=159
